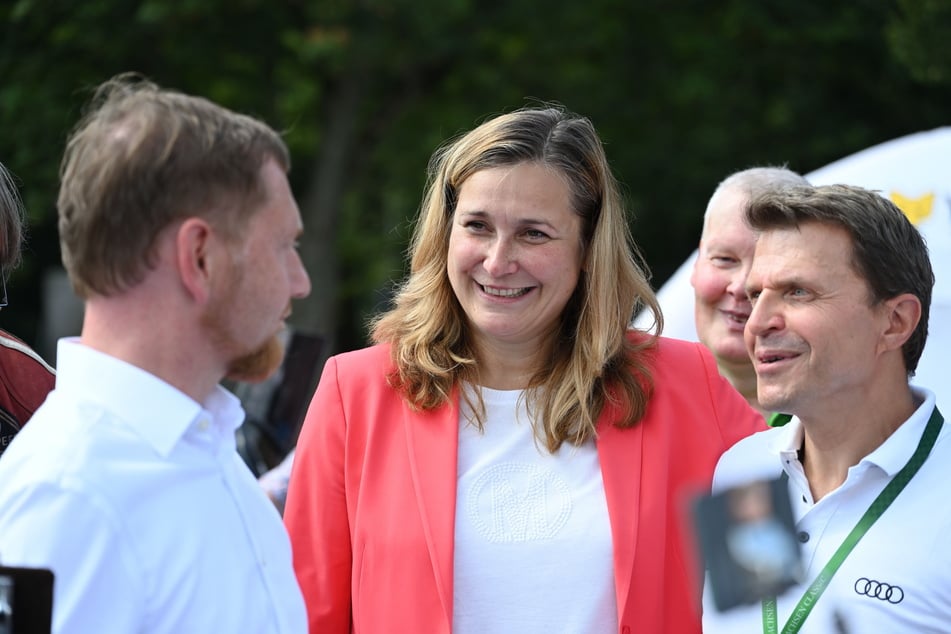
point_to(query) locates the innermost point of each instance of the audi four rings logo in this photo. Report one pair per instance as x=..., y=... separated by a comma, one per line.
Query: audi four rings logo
x=879, y=590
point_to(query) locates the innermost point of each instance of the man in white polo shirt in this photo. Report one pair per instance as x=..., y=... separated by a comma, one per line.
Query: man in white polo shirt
x=841, y=286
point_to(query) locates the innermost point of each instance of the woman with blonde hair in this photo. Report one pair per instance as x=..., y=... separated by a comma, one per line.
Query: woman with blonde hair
x=510, y=456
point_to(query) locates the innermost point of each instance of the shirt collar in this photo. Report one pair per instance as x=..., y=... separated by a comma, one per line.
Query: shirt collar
x=890, y=456
x=158, y=412
x=787, y=440
x=894, y=453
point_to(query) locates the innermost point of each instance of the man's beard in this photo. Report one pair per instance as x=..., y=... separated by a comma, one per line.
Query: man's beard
x=258, y=364
x=253, y=366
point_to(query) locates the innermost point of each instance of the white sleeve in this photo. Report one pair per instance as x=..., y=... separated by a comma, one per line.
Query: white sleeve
x=95, y=586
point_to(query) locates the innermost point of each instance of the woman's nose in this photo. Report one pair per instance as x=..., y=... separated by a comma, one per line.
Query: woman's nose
x=501, y=258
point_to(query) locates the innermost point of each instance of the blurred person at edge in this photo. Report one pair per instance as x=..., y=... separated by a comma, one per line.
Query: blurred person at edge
x=25, y=378
x=509, y=456
x=179, y=231
x=841, y=287
x=721, y=306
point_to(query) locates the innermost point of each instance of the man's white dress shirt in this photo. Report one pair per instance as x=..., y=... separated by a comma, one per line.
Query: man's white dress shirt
x=133, y=494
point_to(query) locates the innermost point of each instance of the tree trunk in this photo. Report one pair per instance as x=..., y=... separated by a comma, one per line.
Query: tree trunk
x=320, y=209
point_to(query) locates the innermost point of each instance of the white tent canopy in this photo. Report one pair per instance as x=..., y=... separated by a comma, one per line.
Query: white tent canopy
x=914, y=171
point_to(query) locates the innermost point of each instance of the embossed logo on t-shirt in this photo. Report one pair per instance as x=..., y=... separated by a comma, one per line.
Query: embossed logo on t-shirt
x=517, y=502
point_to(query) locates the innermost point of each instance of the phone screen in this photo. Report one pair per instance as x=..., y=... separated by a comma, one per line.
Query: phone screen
x=26, y=600
x=747, y=538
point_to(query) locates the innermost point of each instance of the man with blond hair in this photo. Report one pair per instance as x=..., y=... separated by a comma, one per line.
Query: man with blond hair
x=179, y=231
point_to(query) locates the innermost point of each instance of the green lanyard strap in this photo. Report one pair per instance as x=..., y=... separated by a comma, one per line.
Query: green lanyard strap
x=882, y=502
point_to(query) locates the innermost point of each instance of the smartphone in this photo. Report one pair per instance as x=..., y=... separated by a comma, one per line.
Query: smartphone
x=747, y=538
x=26, y=600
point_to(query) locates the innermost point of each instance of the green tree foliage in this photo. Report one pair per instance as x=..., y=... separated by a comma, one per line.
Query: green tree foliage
x=919, y=33
x=683, y=93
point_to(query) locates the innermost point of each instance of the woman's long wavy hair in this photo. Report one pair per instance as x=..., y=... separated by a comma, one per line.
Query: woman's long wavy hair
x=593, y=362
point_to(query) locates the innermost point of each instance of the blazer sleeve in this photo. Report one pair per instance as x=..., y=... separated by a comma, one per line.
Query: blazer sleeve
x=734, y=418
x=316, y=514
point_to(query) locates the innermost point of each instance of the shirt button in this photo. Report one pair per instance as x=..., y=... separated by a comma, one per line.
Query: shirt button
x=203, y=424
x=802, y=536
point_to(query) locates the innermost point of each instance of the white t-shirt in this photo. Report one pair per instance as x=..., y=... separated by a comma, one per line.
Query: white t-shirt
x=898, y=577
x=533, y=548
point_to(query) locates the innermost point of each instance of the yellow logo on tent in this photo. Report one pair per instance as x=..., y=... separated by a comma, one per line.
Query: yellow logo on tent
x=917, y=209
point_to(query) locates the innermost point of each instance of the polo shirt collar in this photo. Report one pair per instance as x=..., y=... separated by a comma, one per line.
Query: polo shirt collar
x=890, y=456
x=894, y=453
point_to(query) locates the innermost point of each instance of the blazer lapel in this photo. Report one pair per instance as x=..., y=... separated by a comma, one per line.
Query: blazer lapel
x=620, y=455
x=432, y=439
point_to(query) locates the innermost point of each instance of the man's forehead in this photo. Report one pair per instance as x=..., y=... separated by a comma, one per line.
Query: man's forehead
x=727, y=205
x=810, y=247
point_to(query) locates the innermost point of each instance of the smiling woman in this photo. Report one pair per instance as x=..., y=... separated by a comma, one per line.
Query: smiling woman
x=515, y=255
x=482, y=468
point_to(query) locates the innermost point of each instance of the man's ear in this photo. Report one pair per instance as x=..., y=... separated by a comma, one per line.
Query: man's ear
x=903, y=313
x=194, y=242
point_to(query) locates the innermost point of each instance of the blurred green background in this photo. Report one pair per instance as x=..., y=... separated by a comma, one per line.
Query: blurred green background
x=682, y=92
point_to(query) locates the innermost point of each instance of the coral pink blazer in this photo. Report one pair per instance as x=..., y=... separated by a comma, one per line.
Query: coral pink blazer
x=371, y=503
